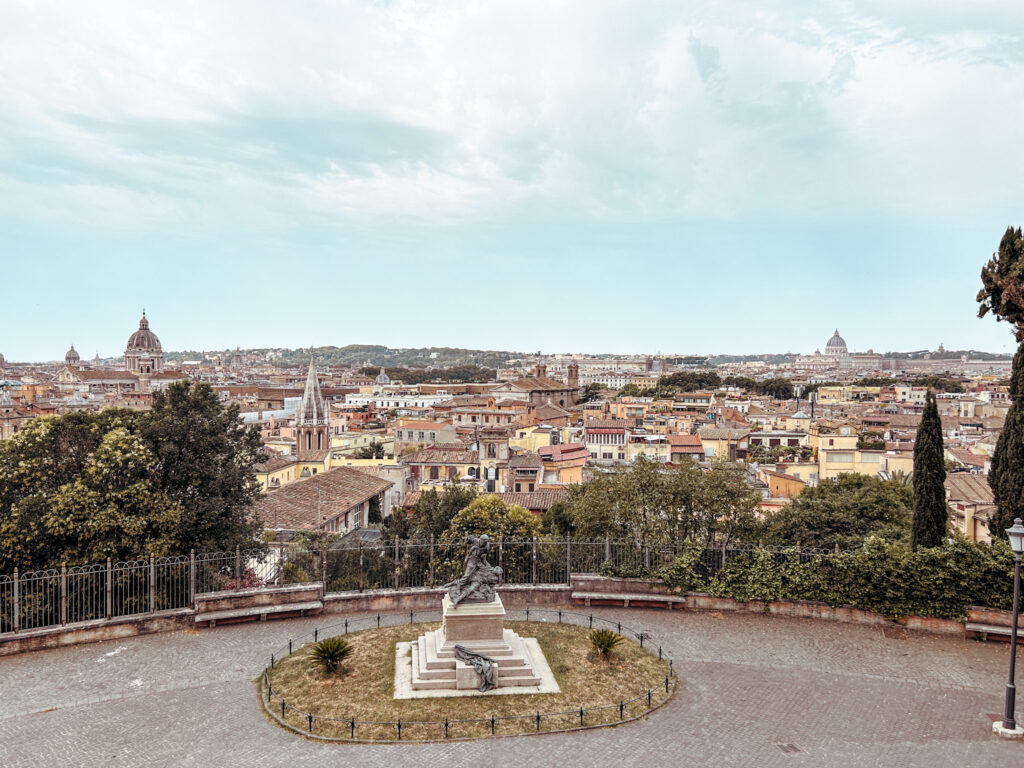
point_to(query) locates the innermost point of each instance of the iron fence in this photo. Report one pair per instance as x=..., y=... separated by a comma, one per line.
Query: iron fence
x=585, y=715
x=61, y=596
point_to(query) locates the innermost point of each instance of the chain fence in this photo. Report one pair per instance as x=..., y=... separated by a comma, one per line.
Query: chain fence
x=640, y=703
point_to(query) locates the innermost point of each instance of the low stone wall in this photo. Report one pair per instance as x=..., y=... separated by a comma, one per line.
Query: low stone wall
x=95, y=631
x=250, y=598
x=429, y=599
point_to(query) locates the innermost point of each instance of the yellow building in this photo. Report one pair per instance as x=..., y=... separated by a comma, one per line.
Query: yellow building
x=833, y=462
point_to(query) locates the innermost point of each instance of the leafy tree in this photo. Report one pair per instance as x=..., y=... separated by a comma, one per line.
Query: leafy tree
x=1002, y=280
x=591, y=392
x=557, y=520
x=79, y=488
x=205, y=461
x=843, y=512
x=488, y=514
x=931, y=514
x=434, y=511
x=375, y=450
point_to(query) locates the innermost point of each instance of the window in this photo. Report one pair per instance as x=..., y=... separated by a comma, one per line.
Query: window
x=433, y=473
x=530, y=487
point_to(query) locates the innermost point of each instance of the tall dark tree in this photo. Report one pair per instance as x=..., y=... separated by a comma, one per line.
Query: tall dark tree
x=1007, y=474
x=205, y=461
x=1002, y=294
x=931, y=514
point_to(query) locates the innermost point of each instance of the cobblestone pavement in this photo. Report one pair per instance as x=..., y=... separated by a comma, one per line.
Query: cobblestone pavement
x=754, y=691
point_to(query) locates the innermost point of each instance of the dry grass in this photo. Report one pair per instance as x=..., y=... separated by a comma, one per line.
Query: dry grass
x=364, y=689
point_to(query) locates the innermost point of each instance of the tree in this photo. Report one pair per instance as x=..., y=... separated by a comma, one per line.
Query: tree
x=1002, y=294
x=205, y=460
x=1002, y=280
x=375, y=450
x=79, y=488
x=931, y=515
x=1007, y=474
x=843, y=512
x=591, y=392
x=434, y=511
x=488, y=514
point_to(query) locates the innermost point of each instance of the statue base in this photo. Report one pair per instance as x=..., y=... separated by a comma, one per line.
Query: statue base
x=479, y=628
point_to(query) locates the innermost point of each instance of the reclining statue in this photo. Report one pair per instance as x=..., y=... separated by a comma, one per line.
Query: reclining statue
x=477, y=583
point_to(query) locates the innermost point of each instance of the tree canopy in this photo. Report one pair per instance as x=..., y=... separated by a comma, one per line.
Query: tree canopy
x=843, y=512
x=1002, y=280
x=931, y=514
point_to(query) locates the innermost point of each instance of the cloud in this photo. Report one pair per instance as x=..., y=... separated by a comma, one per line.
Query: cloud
x=153, y=116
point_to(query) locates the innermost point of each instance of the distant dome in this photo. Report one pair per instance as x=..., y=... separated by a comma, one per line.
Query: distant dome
x=835, y=346
x=383, y=378
x=144, y=339
x=72, y=356
x=2, y=360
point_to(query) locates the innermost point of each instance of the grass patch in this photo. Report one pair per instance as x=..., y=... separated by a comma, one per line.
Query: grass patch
x=365, y=689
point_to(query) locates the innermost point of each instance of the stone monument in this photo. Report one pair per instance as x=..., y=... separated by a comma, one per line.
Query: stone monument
x=472, y=650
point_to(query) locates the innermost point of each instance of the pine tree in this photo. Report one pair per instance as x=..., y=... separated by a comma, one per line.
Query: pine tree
x=931, y=515
x=1007, y=474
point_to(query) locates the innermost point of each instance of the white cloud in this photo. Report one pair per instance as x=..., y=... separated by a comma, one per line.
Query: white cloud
x=281, y=115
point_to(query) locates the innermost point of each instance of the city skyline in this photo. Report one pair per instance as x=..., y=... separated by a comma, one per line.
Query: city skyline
x=725, y=178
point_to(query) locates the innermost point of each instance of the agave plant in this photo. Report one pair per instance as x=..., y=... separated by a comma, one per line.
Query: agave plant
x=331, y=653
x=604, y=641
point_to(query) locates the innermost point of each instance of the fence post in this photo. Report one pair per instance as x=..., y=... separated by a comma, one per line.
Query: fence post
x=431, y=559
x=323, y=571
x=110, y=590
x=238, y=567
x=152, y=583
x=63, y=594
x=360, y=565
x=568, y=560
x=192, y=578
x=501, y=558
x=607, y=547
x=17, y=600
x=534, y=564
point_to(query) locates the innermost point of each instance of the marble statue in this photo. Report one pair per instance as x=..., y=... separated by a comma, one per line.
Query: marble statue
x=478, y=582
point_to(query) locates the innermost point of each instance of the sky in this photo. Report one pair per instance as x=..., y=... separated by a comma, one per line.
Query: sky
x=592, y=176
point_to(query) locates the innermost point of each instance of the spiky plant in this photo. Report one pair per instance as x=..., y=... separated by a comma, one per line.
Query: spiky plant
x=604, y=641
x=331, y=653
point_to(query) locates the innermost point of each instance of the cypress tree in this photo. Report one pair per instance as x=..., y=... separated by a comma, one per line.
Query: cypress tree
x=1007, y=473
x=931, y=515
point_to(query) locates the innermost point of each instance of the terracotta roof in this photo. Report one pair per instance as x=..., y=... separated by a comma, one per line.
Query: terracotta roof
x=609, y=424
x=535, y=383
x=430, y=456
x=274, y=462
x=534, y=500
x=296, y=506
x=564, y=452
x=964, y=456
x=685, y=440
x=526, y=461
x=963, y=486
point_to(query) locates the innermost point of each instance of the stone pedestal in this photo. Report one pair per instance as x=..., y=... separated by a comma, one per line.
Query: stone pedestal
x=478, y=627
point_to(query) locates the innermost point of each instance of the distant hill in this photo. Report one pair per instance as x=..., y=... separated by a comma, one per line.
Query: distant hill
x=370, y=354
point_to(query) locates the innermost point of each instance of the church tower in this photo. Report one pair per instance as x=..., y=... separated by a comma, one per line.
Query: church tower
x=312, y=421
x=573, y=377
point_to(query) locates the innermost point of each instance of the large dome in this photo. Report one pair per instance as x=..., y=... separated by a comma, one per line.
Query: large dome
x=144, y=339
x=72, y=356
x=836, y=345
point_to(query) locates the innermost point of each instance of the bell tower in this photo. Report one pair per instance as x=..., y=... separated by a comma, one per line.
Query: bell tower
x=312, y=420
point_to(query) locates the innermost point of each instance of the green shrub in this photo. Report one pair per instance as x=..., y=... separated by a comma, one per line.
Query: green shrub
x=331, y=653
x=604, y=641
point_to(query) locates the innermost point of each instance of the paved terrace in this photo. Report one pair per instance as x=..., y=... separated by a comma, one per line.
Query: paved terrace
x=841, y=695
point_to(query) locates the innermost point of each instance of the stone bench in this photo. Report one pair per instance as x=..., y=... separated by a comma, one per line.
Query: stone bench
x=625, y=598
x=984, y=630
x=258, y=611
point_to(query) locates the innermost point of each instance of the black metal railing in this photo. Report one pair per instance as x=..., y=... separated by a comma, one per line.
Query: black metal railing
x=640, y=703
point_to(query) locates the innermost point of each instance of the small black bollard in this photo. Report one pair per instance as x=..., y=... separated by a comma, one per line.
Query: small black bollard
x=538, y=721
x=620, y=627
x=559, y=616
x=642, y=639
x=378, y=621
x=492, y=725
x=648, y=697
x=346, y=626
x=282, y=707
x=399, y=730
x=527, y=614
x=671, y=672
x=591, y=621
x=271, y=661
x=622, y=709
x=410, y=617
x=352, y=728
x=309, y=719
x=316, y=634
x=666, y=684
x=659, y=653
x=289, y=647
x=581, y=715
x=446, y=727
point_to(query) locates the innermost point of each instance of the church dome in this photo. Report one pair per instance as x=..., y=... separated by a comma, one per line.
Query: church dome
x=382, y=378
x=144, y=339
x=836, y=345
x=72, y=356
x=2, y=360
